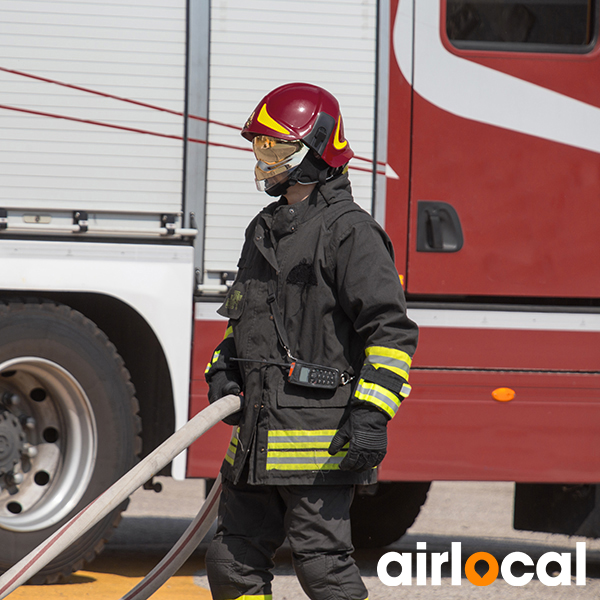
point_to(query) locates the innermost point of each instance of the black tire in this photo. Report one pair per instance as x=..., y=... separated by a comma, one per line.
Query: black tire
x=382, y=517
x=54, y=364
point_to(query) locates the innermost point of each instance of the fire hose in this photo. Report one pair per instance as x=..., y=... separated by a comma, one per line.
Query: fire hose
x=122, y=489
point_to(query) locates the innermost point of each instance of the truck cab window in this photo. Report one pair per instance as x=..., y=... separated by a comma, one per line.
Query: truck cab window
x=529, y=25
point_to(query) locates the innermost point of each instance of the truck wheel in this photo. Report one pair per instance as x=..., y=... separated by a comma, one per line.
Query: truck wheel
x=68, y=429
x=382, y=514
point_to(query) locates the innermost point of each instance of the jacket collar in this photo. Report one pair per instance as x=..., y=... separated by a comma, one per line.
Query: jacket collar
x=279, y=219
x=336, y=189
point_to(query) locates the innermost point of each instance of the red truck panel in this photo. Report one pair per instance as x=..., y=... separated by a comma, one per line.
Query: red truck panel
x=528, y=209
x=205, y=455
x=522, y=174
x=453, y=348
x=451, y=428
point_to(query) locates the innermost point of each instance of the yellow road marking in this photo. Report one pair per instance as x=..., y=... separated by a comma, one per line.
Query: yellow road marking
x=108, y=578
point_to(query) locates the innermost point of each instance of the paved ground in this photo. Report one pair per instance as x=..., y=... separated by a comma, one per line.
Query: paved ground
x=476, y=514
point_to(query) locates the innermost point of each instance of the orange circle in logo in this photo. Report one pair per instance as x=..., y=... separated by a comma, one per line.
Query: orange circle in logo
x=472, y=574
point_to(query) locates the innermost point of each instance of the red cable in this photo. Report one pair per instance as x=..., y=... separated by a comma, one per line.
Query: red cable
x=145, y=105
x=120, y=98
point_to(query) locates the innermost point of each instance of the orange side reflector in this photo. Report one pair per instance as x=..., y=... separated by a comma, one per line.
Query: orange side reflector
x=503, y=394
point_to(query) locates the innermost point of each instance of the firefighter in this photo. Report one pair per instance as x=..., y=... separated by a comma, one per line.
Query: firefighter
x=319, y=344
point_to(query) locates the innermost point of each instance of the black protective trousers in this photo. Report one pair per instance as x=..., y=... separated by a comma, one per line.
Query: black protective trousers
x=253, y=523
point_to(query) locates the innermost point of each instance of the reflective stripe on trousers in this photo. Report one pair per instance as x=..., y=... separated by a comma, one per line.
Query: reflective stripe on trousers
x=302, y=450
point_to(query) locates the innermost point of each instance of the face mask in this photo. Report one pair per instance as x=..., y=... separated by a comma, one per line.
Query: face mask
x=276, y=160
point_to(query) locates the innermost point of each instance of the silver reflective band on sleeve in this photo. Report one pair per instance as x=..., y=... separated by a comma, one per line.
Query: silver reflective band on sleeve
x=381, y=397
x=395, y=360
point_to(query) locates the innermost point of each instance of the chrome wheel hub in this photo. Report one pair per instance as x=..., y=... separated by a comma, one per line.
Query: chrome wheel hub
x=48, y=443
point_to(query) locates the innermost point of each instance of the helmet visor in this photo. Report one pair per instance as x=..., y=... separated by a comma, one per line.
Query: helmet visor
x=276, y=159
x=273, y=151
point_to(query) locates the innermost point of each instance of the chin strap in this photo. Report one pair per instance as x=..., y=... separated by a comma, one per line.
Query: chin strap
x=280, y=188
x=311, y=170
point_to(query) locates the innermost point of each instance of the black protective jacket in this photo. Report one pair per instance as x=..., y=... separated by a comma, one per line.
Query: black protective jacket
x=330, y=267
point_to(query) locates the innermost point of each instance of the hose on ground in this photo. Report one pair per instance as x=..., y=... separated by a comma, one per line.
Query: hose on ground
x=182, y=549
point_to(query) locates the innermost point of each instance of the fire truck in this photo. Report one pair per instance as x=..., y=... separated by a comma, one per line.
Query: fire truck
x=125, y=190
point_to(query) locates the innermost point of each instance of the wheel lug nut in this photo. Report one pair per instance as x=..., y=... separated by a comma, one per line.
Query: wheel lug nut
x=27, y=422
x=30, y=450
x=13, y=478
x=10, y=399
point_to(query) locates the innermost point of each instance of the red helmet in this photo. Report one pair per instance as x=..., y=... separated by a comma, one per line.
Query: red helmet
x=286, y=124
x=305, y=112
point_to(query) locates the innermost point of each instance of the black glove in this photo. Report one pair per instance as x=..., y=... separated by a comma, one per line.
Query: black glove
x=366, y=430
x=221, y=384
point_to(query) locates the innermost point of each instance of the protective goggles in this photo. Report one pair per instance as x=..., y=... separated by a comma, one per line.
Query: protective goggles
x=275, y=159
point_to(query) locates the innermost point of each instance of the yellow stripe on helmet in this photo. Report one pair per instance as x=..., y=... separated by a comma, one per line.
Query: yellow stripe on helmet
x=264, y=118
x=337, y=144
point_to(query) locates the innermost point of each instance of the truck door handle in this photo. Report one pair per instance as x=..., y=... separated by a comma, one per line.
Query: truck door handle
x=438, y=227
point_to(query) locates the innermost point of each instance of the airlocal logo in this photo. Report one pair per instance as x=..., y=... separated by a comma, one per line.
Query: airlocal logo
x=455, y=559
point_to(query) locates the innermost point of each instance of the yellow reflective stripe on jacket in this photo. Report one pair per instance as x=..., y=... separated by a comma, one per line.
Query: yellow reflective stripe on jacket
x=228, y=333
x=230, y=454
x=299, y=438
x=388, y=358
x=259, y=597
x=213, y=360
x=381, y=397
x=303, y=461
x=302, y=450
